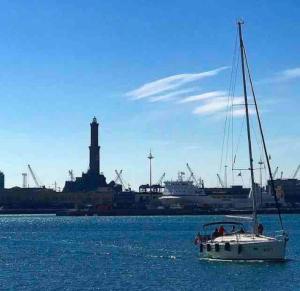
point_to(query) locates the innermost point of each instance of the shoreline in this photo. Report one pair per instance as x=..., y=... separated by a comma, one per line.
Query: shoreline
x=143, y=212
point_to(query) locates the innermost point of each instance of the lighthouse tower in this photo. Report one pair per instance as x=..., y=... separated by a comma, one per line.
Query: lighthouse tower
x=94, y=149
x=92, y=180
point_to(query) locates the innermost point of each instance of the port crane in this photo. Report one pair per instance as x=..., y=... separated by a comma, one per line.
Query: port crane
x=38, y=185
x=159, y=182
x=192, y=176
x=71, y=174
x=221, y=181
x=119, y=180
x=296, y=172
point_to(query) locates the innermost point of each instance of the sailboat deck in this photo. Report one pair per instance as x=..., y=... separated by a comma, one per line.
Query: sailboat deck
x=243, y=237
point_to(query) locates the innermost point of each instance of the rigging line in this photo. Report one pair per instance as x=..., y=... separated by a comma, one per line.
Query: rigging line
x=232, y=92
x=232, y=139
x=264, y=143
x=259, y=144
x=232, y=117
x=239, y=140
x=258, y=141
x=228, y=134
x=229, y=93
x=223, y=141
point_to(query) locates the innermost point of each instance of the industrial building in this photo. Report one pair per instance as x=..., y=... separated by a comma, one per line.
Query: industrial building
x=288, y=189
x=2, y=184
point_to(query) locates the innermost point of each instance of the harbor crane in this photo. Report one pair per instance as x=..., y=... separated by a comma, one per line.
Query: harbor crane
x=161, y=179
x=38, y=185
x=71, y=174
x=296, y=172
x=119, y=180
x=220, y=181
x=192, y=176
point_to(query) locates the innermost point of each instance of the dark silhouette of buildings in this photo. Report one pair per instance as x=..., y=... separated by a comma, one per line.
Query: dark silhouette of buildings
x=92, y=180
x=1, y=181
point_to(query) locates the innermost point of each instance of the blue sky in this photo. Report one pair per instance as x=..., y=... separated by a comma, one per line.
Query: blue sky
x=62, y=62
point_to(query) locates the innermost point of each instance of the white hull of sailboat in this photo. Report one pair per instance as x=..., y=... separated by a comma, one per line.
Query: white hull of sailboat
x=245, y=248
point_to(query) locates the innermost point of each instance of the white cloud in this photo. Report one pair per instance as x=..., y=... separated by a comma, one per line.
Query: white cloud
x=241, y=112
x=216, y=105
x=290, y=73
x=285, y=75
x=170, y=83
x=203, y=96
x=171, y=95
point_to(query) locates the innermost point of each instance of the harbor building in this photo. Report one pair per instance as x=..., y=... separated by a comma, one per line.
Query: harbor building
x=92, y=180
x=1, y=181
x=287, y=189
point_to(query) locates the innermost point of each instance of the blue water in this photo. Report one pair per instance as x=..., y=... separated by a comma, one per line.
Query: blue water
x=130, y=253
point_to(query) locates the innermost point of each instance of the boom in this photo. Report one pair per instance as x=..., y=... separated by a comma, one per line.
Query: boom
x=192, y=176
x=220, y=181
x=161, y=179
x=296, y=172
x=34, y=177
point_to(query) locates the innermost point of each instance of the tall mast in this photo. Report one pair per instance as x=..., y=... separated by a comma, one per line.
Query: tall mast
x=248, y=129
x=150, y=157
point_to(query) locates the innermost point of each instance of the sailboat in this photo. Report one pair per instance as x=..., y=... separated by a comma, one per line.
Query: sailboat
x=239, y=244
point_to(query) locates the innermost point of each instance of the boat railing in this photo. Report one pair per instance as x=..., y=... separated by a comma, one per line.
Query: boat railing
x=281, y=235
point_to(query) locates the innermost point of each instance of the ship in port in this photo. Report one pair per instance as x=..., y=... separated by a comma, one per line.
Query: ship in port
x=191, y=192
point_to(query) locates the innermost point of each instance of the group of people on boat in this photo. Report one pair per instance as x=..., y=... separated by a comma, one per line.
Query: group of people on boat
x=221, y=232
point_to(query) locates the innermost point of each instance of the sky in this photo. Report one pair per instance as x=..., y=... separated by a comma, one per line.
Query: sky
x=156, y=74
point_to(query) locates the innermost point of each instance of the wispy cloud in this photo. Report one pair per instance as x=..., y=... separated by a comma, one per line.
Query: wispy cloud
x=207, y=95
x=285, y=75
x=241, y=112
x=170, y=83
x=215, y=105
x=171, y=95
x=290, y=73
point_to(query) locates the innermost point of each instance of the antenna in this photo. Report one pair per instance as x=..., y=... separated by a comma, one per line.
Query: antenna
x=150, y=157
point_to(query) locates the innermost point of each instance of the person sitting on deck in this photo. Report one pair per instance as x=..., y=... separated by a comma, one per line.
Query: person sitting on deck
x=233, y=229
x=221, y=230
x=215, y=234
x=241, y=230
x=260, y=229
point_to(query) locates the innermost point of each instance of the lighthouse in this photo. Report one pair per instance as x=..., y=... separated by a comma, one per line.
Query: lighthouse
x=91, y=180
x=94, y=149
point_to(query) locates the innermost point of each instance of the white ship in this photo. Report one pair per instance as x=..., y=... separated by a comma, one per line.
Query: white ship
x=182, y=191
x=190, y=192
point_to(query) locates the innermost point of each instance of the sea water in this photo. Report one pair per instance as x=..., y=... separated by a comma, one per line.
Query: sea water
x=131, y=253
